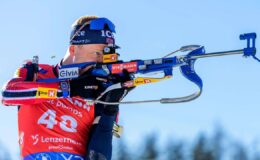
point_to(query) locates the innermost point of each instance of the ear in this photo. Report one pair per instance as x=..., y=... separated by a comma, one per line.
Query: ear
x=72, y=50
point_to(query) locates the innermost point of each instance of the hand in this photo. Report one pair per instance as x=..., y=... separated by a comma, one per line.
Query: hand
x=120, y=78
x=28, y=71
x=85, y=86
x=116, y=95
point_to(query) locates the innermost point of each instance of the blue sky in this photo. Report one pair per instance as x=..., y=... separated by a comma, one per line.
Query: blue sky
x=149, y=29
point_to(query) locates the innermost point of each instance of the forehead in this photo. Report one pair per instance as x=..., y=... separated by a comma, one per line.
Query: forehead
x=94, y=46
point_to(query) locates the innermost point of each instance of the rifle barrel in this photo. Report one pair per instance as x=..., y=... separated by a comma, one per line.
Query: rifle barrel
x=214, y=54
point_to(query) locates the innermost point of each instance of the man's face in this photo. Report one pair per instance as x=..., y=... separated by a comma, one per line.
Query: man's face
x=88, y=53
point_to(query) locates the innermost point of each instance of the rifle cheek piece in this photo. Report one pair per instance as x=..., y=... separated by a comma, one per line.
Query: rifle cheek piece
x=110, y=55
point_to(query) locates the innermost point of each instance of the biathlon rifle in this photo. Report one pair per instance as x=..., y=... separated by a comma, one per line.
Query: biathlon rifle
x=166, y=64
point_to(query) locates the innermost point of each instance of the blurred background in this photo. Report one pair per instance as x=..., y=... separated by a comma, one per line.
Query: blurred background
x=222, y=124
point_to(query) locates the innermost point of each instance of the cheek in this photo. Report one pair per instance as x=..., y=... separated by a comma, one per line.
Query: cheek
x=92, y=57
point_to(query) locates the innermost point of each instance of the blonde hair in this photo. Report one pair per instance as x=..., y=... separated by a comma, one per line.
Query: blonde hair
x=83, y=20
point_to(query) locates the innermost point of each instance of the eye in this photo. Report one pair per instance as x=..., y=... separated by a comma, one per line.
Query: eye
x=98, y=52
x=106, y=50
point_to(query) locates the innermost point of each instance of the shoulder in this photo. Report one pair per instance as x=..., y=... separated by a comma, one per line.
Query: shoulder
x=47, y=71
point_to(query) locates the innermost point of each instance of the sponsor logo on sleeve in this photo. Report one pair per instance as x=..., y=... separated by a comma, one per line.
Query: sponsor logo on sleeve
x=46, y=93
x=69, y=72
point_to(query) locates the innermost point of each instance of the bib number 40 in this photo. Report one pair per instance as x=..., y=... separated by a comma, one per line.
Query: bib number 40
x=67, y=123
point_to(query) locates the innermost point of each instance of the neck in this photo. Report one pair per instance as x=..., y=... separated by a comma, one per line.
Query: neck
x=68, y=59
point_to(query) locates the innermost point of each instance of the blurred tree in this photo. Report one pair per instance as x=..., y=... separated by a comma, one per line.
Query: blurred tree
x=175, y=151
x=256, y=156
x=123, y=152
x=216, y=147
x=150, y=151
x=239, y=152
x=217, y=142
x=256, y=152
x=201, y=151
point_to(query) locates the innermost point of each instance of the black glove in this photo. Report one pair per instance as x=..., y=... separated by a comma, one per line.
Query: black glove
x=116, y=78
x=86, y=86
x=31, y=70
x=116, y=95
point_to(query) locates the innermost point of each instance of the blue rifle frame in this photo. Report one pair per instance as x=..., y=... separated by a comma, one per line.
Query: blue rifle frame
x=185, y=62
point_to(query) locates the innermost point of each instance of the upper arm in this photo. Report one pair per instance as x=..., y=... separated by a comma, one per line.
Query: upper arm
x=19, y=90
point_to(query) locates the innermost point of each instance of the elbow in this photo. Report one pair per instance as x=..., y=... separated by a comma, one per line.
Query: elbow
x=4, y=98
